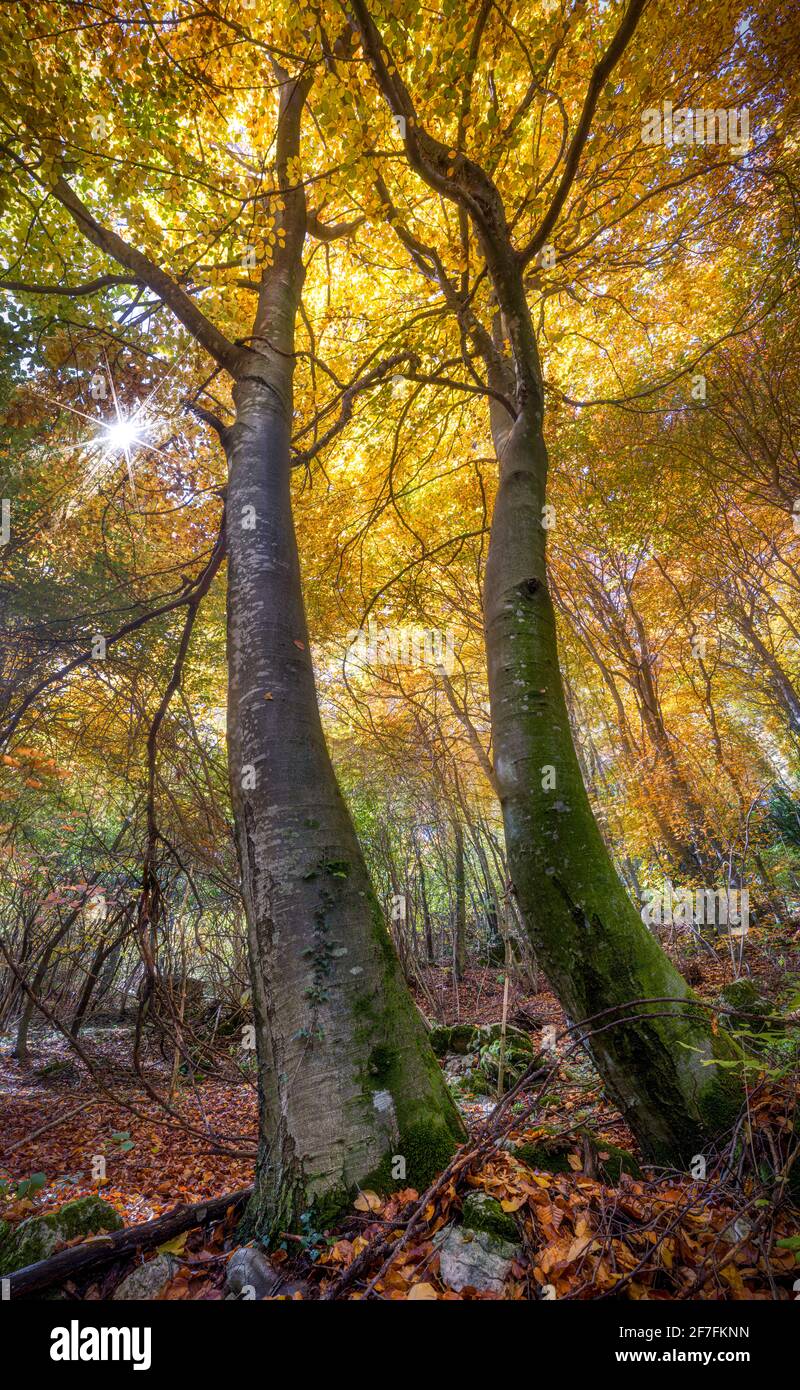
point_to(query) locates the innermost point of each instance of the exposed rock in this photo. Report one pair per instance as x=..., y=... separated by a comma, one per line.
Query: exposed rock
x=470, y=1037
x=464, y=1076
x=249, y=1274
x=742, y=994
x=479, y=1046
x=737, y=1230
x=519, y=1054
x=40, y=1236
x=147, y=1280
x=457, y=1066
x=462, y=1038
x=544, y=1156
x=480, y=1212
x=439, y=1039
x=746, y=1008
x=458, y=1038
x=474, y=1259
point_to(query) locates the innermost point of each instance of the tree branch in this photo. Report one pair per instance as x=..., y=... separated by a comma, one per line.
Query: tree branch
x=597, y=81
x=143, y=269
x=200, y=587
x=102, y=282
x=332, y=231
x=372, y=378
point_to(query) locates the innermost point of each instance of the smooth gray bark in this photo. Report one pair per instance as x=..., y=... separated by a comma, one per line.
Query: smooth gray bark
x=348, y=1082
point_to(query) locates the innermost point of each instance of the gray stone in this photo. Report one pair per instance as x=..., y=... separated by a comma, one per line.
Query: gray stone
x=737, y=1230
x=147, y=1280
x=488, y=1033
x=40, y=1236
x=456, y=1038
x=249, y=1273
x=480, y=1212
x=474, y=1259
x=746, y=1008
x=517, y=1057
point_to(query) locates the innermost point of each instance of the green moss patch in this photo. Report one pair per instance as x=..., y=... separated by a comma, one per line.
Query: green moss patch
x=40, y=1236
x=481, y=1212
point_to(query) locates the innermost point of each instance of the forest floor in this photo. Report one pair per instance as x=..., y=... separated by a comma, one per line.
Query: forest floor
x=650, y=1234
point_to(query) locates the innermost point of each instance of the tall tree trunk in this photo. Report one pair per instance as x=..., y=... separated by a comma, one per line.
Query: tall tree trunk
x=426, y=912
x=347, y=1079
x=460, y=944
x=588, y=938
x=593, y=946
x=783, y=690
x=102, y=953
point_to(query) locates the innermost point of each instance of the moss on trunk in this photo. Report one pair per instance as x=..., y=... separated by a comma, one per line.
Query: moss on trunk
x=657, y=1059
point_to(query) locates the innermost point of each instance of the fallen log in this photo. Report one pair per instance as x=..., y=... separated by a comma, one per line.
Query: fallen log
x=101, y=1250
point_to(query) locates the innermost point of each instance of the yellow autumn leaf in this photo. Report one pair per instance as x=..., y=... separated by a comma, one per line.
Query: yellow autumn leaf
x=174, y=1246
x=368, y=1201
x=514, y=1203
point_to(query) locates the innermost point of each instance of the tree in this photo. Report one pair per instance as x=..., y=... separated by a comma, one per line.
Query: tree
x=655, y=1050
x=348, y=1083
x=437, y=243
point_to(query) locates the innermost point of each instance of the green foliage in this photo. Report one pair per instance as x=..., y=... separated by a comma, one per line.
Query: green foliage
x=784, y=815
x=25, y=1187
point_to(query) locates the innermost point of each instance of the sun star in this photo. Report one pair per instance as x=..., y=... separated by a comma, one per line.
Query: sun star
x=121, y=436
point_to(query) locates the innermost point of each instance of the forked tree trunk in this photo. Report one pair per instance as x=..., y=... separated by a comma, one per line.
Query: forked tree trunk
x=350, y=1091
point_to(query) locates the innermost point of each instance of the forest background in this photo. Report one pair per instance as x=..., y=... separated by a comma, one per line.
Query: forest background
x=513, y=283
